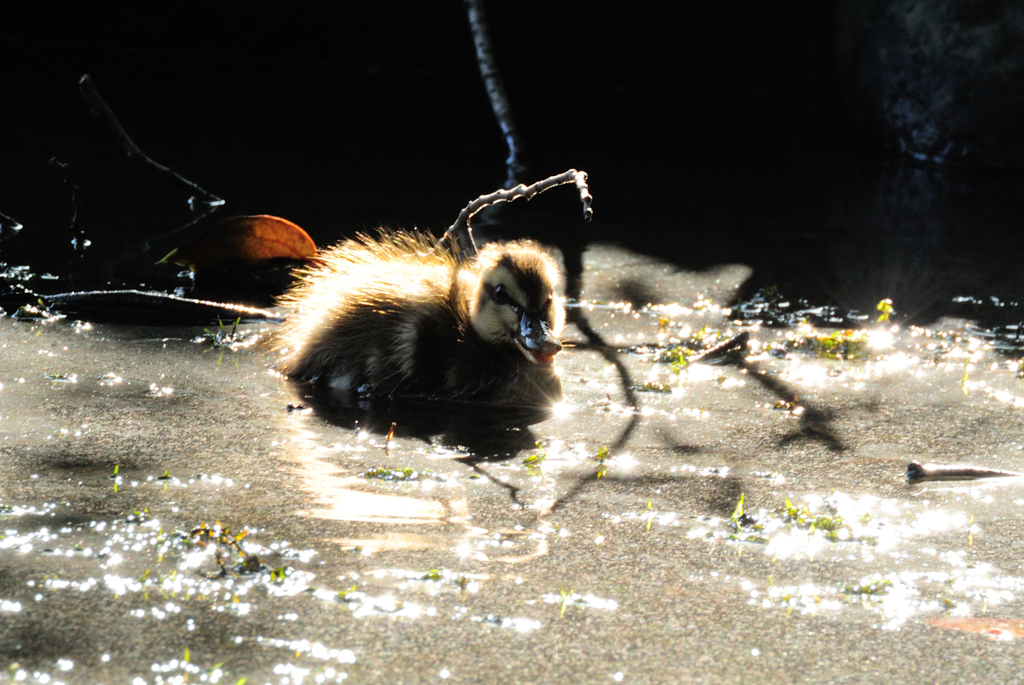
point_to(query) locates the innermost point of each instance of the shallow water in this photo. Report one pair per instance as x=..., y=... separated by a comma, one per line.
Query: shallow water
x=602, y=543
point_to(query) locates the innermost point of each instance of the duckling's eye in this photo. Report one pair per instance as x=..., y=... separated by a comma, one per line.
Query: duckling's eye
x=501, y=295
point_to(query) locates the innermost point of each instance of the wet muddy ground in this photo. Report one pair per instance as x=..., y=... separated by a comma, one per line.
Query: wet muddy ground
x=172, y=510
x=745, y=519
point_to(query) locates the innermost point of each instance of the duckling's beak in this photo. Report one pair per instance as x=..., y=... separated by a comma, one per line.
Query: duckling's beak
x=535, y=340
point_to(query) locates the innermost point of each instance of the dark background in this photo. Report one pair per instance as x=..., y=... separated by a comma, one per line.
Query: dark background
x=847, y=152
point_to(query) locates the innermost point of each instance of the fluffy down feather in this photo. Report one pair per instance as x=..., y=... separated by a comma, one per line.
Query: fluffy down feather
x=385, y=316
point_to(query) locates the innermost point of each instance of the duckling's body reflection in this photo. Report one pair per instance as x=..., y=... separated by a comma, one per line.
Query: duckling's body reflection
x=431, y=511
x=472, y=433
x=453, y=351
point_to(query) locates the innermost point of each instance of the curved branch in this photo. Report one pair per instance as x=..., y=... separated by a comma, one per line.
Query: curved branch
x=459, y=236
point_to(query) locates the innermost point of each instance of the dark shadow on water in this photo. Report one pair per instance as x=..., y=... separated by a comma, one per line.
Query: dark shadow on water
x=638, y=293
x=484, y=433
x=689, y=493
x=677, y=448
x=573, y=244
x=815, y=422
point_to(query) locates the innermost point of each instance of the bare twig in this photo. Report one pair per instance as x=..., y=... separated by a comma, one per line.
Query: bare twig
x=514, y=165
x=717, y=353
x=72, y=188
x=459, y=236
x=135, y=304
x=8, y=226
x=101, y=110
x=78, y=241
x=390, y=439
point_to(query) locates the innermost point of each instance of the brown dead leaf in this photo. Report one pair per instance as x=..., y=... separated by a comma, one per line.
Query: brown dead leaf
x=991, y=626
x=244, y=239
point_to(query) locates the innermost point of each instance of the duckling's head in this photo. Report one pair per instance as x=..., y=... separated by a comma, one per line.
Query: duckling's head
x=514, y=303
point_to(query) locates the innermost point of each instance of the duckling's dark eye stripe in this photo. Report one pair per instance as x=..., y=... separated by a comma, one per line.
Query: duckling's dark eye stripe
x=500, y=295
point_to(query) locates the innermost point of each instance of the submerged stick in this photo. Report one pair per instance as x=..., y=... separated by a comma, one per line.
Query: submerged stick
x=136, y=305
x=719, y=352
x=919, y=473
x=514, y=166
x=103, y=111
x=459, y=236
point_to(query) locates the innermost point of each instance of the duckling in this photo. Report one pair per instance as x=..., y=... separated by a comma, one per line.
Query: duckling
x=392, y=316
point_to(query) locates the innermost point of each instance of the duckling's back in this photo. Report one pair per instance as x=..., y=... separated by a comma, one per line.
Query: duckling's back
x=358, y=311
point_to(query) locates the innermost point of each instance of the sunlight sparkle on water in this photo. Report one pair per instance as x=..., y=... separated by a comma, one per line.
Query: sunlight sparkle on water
x=702, y=372
x=808, y=374
x=314, y=649
x=576, y=599
x=878, y=528
x=520, y=625
x=894, y=363
x=623, y=462
x=562, y=410
x=864, y=518
x=881, y=340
